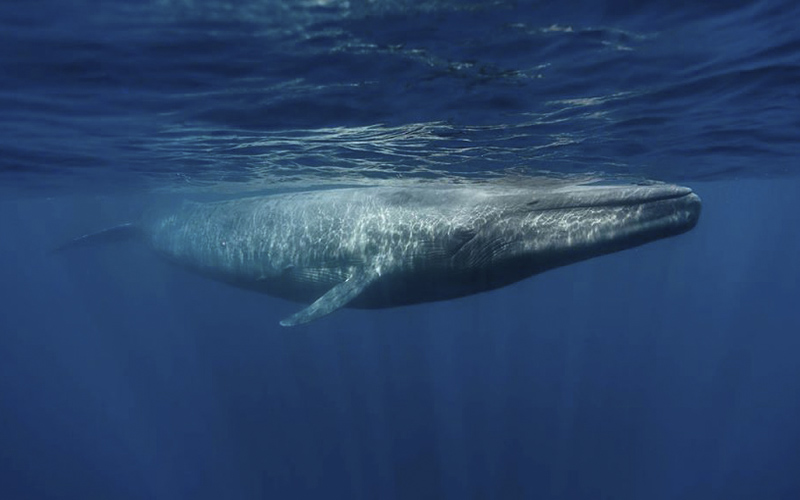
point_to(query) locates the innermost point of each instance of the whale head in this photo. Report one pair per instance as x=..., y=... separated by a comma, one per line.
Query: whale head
x=544, y=229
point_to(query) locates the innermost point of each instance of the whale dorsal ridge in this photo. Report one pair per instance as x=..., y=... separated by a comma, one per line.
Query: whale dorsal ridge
x=333, y=299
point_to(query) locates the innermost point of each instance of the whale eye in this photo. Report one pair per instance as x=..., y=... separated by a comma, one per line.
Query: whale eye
x=533, y=203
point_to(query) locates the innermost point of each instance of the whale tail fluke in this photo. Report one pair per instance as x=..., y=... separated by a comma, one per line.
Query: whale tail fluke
x=122, y=232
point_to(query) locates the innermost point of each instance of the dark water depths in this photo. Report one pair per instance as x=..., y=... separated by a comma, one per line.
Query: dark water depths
x=668, y=371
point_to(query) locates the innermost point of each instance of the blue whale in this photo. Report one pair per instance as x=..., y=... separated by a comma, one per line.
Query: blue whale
x=375, y=247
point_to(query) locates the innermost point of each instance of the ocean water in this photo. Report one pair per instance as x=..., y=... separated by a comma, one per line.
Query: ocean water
x=666, y=371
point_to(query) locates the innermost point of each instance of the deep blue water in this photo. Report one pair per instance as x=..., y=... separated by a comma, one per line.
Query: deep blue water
x=667, y=371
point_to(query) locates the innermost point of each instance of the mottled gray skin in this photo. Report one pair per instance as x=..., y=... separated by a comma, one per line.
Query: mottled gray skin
x=408, y=245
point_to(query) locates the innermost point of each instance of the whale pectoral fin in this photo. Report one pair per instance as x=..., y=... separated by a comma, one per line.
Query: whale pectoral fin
x=334, y=298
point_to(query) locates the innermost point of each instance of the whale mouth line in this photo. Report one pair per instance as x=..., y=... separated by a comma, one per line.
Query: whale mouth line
x=617, y=203
x=648, y=200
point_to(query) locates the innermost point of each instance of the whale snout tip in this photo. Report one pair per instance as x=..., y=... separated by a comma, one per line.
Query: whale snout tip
x=695, y=205
x=686, y=208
